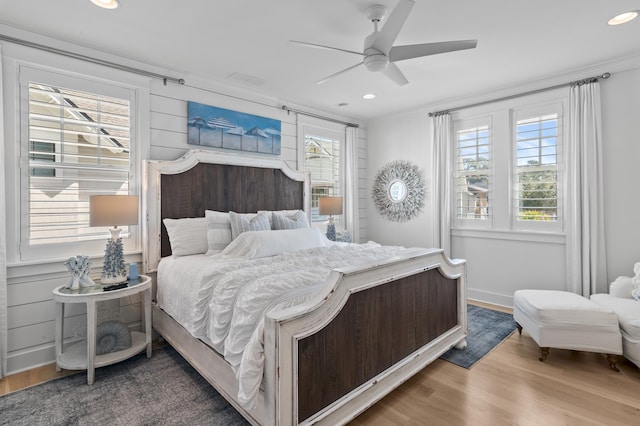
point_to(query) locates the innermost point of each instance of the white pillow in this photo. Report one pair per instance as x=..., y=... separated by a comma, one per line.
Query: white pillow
x=244, y=222
x=621, y=287
x=218, y=231
x=257, y=244
x=294, y=221
x=187, y=236
x=286, y=213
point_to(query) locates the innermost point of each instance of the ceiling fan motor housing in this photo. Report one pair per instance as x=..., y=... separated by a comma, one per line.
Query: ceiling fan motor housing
x=376, y=62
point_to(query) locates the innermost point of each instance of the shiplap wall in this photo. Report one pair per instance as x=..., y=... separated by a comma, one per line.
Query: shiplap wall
x=31, y=308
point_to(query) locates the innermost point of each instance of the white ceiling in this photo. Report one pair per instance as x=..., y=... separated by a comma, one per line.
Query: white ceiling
x=518, y=42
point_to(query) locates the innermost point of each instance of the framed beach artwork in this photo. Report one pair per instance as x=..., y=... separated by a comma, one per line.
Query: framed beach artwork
x=224, y=128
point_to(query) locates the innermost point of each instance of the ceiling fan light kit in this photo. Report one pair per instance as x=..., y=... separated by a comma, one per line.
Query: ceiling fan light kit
x=379, y=53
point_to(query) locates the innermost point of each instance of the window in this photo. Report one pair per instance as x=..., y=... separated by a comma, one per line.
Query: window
x=536, y=151
x=473, y=173
x=323, y=152
x=77, y=138
x=508, y=174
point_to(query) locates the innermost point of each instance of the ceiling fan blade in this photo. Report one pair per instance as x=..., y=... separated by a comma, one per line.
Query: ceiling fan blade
x=393, y=72
x=400, y=53
x=339, y=73
x=320, y=46
x=383, y=40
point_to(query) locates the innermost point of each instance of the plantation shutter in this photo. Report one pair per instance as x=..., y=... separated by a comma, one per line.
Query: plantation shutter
x=322, y=161
x=473, y=173
x=78, y=145
x=536, y=152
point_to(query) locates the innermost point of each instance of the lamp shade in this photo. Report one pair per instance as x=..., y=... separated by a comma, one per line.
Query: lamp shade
x=330, y=205
x=113, y=210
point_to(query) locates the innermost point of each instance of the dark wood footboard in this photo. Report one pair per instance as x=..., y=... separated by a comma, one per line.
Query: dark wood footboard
x=369, y=330
x=376, y=328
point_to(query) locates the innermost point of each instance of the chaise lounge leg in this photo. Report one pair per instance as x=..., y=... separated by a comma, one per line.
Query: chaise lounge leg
x=613, y=360
x=544, y=353
x=519, y=327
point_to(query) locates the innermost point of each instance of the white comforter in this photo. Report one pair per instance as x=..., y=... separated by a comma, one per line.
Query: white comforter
x=233, y=296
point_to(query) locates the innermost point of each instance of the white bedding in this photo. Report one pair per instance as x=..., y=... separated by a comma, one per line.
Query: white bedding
x=223, y=300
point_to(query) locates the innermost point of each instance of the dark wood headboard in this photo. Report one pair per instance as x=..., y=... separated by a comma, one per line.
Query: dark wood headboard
x=211, y=180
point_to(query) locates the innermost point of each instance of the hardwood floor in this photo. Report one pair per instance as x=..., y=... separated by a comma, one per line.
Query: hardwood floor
x=511, y=387
x=508, y=387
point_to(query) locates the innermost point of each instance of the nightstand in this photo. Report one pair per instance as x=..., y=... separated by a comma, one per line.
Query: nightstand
x=82, y=355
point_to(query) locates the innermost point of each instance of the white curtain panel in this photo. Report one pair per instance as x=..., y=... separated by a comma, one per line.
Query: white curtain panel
x=3, y=246
x=442, y=138
x=586, y=250
x=351, y=186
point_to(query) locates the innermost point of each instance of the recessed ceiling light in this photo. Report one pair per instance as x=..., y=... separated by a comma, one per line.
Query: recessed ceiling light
x=106, y=4
x=368, y=96
x=623, y=18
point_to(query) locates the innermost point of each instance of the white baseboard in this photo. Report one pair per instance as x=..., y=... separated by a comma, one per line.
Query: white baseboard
x=30, y=358
x=488, y=297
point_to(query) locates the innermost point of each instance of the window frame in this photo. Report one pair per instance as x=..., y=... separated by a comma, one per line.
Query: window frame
x=504, y=172
x=48, y=252
x=534, y=111
x=461, y=125
x=327, y=131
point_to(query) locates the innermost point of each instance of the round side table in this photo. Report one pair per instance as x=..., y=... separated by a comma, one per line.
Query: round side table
x=81, y=355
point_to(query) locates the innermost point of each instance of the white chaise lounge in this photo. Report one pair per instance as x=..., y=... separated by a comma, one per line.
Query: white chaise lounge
x=564, y=320
x=627, y=309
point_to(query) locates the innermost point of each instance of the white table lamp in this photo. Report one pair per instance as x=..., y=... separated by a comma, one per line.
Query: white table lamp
x=108, y=210
x=330, y=206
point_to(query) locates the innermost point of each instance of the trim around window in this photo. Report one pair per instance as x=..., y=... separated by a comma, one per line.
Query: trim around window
x=33, y=158
x=528, y=190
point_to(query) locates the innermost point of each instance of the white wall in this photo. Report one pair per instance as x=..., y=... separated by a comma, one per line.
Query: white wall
x=621, y=135
x=499, y=264
x=164, y=135
x=403, y=137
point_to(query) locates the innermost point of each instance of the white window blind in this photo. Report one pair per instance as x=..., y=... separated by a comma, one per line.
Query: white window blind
x=536, y=157
x=323, y=162
x=78, y=145
x=473, y=171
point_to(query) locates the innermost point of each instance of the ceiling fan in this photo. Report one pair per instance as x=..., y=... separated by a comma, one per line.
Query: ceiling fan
x=379, y=53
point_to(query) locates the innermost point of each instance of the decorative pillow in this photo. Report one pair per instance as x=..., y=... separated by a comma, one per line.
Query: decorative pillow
x=187, y=236
x=296, y=221
x=242, y=223
x=218, y=231
x=287, y=213
x=257, y=244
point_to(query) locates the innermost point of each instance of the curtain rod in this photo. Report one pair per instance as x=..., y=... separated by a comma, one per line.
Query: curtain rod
x=308, y=114
x=604, y=76
x=165, y=78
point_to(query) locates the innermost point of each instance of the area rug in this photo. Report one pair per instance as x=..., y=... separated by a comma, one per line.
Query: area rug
x=486, y=329
x=166, y=390
x=161, y=390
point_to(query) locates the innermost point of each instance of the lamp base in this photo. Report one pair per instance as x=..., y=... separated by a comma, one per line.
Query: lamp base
x=331, y=232
x=113, y=269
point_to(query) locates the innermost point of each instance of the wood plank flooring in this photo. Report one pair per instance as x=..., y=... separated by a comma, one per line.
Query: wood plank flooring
x=508, y=387
x=511, y=387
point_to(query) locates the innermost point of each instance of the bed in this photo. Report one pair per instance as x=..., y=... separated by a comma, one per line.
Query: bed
x=368, y=326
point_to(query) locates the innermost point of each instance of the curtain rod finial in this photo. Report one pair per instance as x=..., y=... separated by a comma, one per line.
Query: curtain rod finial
x=606, y=75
